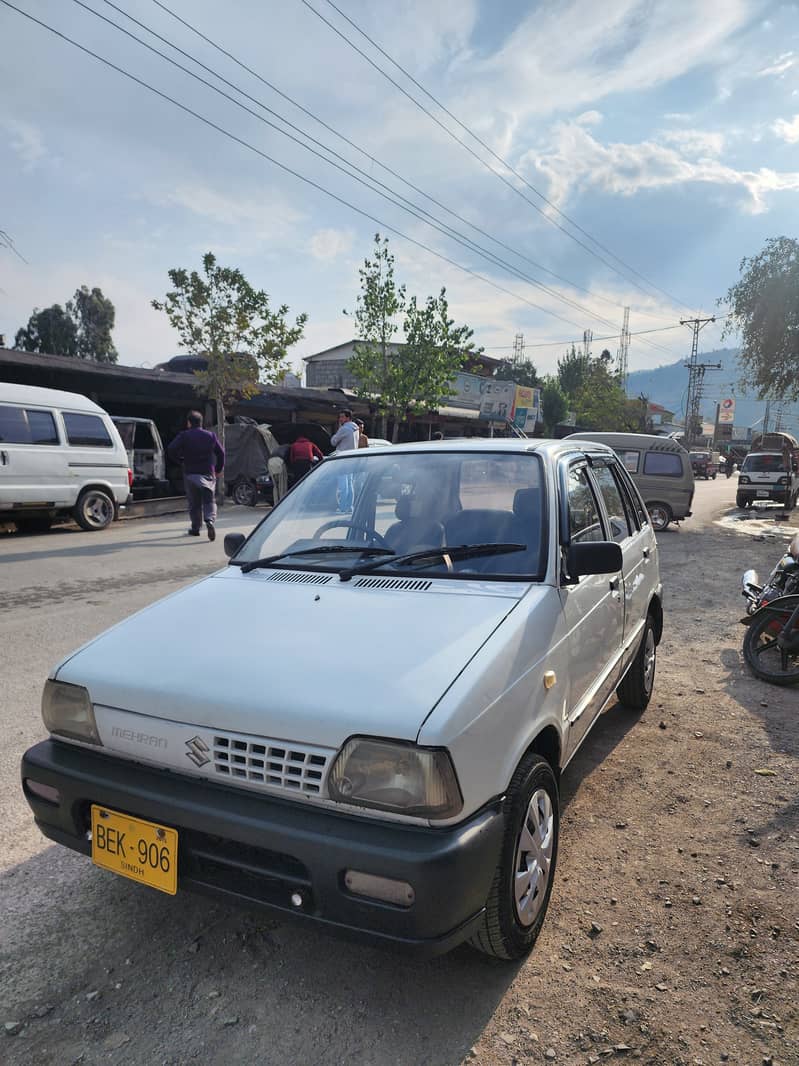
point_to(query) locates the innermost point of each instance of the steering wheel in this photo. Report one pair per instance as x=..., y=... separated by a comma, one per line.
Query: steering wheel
x=375, y=539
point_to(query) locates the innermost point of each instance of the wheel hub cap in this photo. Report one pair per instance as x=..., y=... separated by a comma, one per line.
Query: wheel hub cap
x=533, y=857
x=649, y=661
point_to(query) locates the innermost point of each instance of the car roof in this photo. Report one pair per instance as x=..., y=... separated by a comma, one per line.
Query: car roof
x=40, y=397
x=630, y=440
x=489, y=445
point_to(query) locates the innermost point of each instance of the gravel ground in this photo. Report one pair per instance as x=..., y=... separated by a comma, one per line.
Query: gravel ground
x=672, y=937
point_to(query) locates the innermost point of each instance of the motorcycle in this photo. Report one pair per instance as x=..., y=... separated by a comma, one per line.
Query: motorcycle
x=771, y=644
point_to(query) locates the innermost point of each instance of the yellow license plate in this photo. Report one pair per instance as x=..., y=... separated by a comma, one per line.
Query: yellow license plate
x=140, y=850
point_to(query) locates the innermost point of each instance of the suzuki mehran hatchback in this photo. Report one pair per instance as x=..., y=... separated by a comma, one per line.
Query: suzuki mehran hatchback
x=362, y=720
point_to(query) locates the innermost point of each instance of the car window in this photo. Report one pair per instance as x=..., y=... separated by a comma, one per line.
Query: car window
x=633, y=505
x=631, y=460
x=621, y=523
x=663, y=464
x=584, y=521
x=763, y=464
x=86, y=431
x=20, y=425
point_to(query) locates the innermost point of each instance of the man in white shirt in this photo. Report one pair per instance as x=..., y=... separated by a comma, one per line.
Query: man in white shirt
x=345, y=439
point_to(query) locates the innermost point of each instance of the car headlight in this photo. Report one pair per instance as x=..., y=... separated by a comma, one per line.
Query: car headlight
x=388, y=776
x=782, y=481
x=67, y=711
x=743, y=479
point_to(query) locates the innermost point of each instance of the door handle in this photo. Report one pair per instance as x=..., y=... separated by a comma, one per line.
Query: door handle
x=614, y=584
x=3, y=458
x=645, y=553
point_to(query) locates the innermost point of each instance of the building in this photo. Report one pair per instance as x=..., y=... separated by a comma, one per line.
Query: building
x=328, y=369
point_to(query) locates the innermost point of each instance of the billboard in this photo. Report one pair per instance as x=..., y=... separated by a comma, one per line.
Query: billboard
x=496, y=400
x=526, y=408
x=727, y=410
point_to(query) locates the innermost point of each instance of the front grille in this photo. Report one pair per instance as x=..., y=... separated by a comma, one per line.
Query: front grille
x=271, y=763
x=408, y=584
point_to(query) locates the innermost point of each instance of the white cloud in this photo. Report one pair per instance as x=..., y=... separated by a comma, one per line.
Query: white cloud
x=25, y=140
x=330, y=243
x=576, y=160
x=589, y=118
x=695, y=142
x=787, y=130
x=780, y=65
x=265, y=216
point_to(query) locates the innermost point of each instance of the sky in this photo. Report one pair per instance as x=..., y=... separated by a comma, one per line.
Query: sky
x=666, y=130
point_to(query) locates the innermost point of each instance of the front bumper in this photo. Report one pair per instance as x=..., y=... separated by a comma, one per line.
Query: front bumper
x=259, y=850
x=776, y=494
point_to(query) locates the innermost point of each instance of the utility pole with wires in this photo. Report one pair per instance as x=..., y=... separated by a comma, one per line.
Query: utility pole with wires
x=588, y=336
x=624, y=350
x=779, y=417
x=696, y=377
x=518, y=349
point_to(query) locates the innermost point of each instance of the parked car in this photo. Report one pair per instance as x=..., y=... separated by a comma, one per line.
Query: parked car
x=146, y=456
x=248, y=448
x=402, y=689
x=379, y=442
x=704, y=464
x=60, y=456
x=768, y=476
x=661, y=469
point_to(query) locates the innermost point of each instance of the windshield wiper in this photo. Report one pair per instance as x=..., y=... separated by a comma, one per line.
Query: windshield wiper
x=327, y=549
x=460, y=551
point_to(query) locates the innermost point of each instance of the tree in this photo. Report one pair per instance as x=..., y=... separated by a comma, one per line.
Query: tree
x=51, y=330
x=220, y=316
x=572, y=372
x=378, y=306
x=764, y=306
x=522, y=373
x=435, y=350
x=553, y=405
x=94, y=316
x=600, y=402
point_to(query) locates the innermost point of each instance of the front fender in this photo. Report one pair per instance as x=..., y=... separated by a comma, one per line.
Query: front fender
x=782, y=603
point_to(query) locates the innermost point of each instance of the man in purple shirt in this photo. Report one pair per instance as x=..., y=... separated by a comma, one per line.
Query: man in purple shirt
x=203, y=458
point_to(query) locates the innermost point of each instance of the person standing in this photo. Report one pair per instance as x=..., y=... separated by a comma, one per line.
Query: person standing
x=345, y=439
x=278, y=471
x=302, y=455
x=203, y=458
x=363, y=440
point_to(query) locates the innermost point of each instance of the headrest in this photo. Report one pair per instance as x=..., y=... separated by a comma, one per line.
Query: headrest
x=524, y=501
x=409, y=507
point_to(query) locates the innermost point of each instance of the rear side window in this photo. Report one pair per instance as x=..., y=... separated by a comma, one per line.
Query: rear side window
x=631, y=460
x=663, y=464
x=87, y=431
x=19, y=425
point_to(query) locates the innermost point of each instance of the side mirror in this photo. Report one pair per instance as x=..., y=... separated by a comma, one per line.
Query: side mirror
x=592, y=557
x=233, y=541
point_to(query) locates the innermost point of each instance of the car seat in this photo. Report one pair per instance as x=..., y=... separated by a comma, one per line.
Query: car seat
x=413, y=532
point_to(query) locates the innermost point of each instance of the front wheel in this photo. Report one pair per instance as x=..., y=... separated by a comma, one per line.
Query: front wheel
x=661, y=515
x=742, y=502
x=763, y=655
x=635, y=688
x=94, y=510
x=245, y=493
x=519, y=896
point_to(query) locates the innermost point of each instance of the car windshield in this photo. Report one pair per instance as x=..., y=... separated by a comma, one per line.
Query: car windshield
x=763, y=464
x=377, y=506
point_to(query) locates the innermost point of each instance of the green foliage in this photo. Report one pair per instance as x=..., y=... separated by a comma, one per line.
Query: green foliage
x=600, y=402
x=94, y=316
x=522, y=373
x=572, y=372
x=51, y=330
x=554, y=405
x=764, y=306
x=82, y=328
x=219, y=315
x=417, y=376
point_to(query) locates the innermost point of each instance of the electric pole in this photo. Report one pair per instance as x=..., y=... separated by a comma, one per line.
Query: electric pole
x=696, y=377
x=624, y=350
x=588, y=336
x=518, y=349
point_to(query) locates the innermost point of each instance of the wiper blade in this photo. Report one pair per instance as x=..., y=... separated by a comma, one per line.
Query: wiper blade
x=459, y=551
x=327, y=549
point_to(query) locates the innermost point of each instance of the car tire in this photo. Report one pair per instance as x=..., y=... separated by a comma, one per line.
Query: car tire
x=742, y=502
x=661, y=514
x=635, y=688
x=94, y=510
x=522, y=885
x=712, y=477
x=33, y=524
x=245, y=493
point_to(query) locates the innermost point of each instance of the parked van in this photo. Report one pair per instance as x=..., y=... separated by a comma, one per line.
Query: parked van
x=60, y=454
x=146, y=455
x=659, y=466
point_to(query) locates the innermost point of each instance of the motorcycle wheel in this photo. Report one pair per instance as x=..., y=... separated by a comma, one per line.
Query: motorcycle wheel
x=763, y=657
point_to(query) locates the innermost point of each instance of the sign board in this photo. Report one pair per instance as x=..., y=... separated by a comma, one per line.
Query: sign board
x=497, y=400
x=526, y=409
x=466, y=391
x=727, y=410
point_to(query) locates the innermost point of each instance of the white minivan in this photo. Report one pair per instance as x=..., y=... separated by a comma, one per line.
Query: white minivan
x=60, y=455
x=395, y=691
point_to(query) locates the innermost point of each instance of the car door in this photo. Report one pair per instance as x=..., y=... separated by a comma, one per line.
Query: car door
x=593, y=608
x=638, y=547
x=33, y=468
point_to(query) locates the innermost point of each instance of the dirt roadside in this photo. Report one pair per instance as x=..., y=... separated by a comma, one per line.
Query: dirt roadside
x=673, y=935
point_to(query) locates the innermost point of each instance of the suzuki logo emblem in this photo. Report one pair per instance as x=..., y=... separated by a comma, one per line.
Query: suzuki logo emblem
x=197, y=751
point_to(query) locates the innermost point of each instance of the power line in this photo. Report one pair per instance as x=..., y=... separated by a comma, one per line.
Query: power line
x=559, y=344
x=367, y=182
x=275, y=162
x=358, y=148
x=479, y=158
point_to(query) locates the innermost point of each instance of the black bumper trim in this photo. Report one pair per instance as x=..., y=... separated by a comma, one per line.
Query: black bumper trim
x=262, y=848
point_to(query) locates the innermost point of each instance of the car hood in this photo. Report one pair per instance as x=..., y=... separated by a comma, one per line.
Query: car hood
x=269, y=655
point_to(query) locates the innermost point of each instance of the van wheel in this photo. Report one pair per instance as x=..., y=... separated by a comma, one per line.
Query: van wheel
x=94, y=510
x=635, y=688
x=245, y=493
x=34, y=524
x=661, y=515
x=519, y=896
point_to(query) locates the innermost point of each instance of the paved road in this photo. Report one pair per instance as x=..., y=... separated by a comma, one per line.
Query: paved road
x=102, y=971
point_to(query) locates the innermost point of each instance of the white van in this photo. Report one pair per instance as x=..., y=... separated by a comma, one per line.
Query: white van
x=60, y=454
